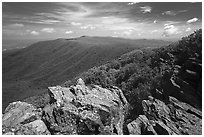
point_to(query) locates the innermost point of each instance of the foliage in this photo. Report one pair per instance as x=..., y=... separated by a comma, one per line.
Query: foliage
x=140, y=72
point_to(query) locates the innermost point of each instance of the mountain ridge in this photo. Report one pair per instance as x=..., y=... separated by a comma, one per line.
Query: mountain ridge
x=144, y=92
x=52, y=62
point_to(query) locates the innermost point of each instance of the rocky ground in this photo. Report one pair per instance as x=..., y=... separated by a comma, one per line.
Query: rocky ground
x=78, y=109
x=172, y=118
x=81, y=109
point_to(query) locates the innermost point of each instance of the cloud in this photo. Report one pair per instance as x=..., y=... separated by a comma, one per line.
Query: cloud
x=132, y=3
x=103, y=17
x=76, y=23
x=16, y=25
x=34, y=33
x=170, y=30
x=114, y=36
x=154, y=31
x=139, y=34
x=167, y=23
x=48, y=30
x=124, y=33
x=188, y=29
x=69, y=32
x=183, y=11
x=113, y=20
x=155, y=21
x=49, y=21
x=40, y=21
x=90, y=26
x=171, y=13
x=146, y=9
x=122, y=27
x=128, y=32
x=192, y=20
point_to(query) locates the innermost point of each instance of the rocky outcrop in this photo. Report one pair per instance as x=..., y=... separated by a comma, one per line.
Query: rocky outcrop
x=172, y=117
x=24, y=119
x=90, y=109
x=82, y=109
x=166, y=113
x=78, y=109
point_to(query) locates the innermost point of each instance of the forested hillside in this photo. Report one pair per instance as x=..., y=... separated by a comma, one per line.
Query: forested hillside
x=144, y=92
x=175, y=70
x=29, y=71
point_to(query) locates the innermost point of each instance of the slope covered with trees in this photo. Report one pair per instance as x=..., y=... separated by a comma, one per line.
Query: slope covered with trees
x=29, y=71
x=174, y=70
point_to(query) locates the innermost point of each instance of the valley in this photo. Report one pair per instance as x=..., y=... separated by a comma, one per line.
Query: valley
x=29, y=71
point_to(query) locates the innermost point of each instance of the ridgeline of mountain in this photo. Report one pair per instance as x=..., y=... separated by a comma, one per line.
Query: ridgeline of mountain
x=144, y=92
x=29, y=71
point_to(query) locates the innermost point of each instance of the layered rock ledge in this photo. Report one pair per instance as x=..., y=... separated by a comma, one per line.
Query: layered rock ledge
x=169, y=118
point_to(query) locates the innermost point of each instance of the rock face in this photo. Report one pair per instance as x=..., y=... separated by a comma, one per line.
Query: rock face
x=79, y=109
x=82, y=109
x=24, y=119
x=173, y=117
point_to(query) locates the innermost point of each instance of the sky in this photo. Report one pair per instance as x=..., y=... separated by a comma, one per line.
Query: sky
x=134, y=20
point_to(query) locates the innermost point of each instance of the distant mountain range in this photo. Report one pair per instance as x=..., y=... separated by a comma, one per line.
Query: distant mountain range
x=10, y=44
x=147, y=91
x=29, y=71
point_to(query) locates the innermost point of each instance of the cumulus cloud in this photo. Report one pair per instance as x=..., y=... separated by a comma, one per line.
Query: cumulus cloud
x=146, y=9
x=132, y=3
x=192, y=20
x=90, y=26
x=34, y=33
x=171, y=13
x=48, y=30
x=188, y=29
x=75, y=23
x=170, y=30
x=69, y=32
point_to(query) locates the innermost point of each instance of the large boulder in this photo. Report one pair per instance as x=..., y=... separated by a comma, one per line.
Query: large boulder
x=81, y=109
x=23, y=118
x=172, y=117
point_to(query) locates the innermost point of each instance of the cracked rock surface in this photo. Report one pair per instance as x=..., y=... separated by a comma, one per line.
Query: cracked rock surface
x=78, y=109
x=170, y=118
